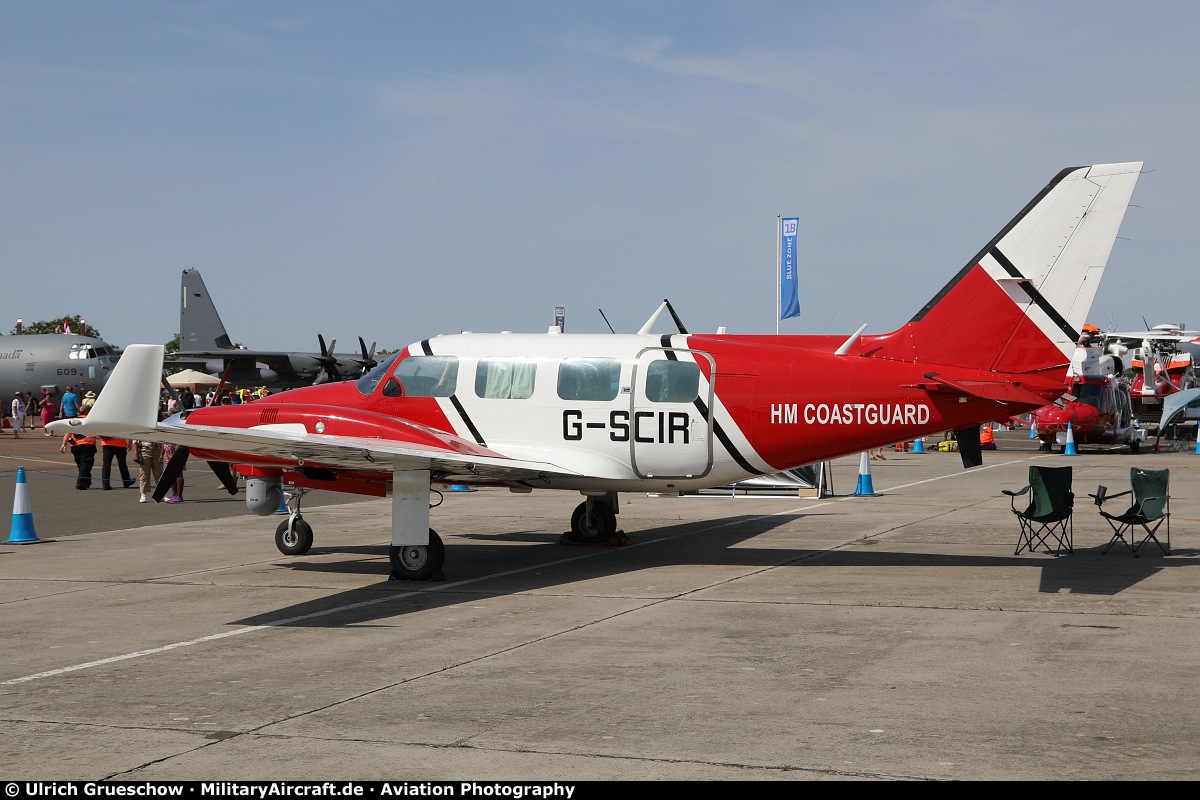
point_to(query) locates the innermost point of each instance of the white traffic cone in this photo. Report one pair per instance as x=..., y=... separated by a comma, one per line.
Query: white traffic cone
x=22, y=522
x=864, y=487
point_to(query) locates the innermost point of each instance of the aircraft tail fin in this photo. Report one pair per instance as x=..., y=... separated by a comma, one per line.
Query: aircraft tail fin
x=129, y=401
x=1019, y=305
x=200, y=327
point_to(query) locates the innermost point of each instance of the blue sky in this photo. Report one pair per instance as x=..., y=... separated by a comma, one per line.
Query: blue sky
x=395, y=170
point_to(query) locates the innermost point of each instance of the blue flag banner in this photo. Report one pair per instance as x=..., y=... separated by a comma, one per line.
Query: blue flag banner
x=560, y=318
x=789, y=288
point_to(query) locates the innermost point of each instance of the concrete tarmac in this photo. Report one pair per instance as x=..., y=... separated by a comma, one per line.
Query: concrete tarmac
x=893, y=637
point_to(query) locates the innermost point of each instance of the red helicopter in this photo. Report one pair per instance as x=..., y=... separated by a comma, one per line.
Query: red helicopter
x=1097, y=405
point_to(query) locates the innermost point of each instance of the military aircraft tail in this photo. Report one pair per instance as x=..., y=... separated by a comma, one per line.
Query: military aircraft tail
x=1019, y=305
x=200, y=326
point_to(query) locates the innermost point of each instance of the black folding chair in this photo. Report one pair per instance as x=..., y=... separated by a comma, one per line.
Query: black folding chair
x=1048, y=517
x=1150, y=509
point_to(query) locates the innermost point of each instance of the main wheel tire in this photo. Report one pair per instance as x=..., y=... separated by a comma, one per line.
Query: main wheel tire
x=1134, y=447
x=418, y=562
x=600, y=528
x=294, y=542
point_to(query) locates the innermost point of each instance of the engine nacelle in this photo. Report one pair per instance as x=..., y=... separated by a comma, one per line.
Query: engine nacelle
x=264, y=495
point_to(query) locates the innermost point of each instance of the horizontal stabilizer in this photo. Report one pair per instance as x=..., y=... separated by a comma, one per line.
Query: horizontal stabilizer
x=999, y=391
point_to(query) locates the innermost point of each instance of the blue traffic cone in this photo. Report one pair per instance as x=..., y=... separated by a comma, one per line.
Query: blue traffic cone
x=1033, y=428
x=22, y=521
x=283, y=509
x=864, y=477
x=1069, y=447
x=919, y=445
x=1198, y=443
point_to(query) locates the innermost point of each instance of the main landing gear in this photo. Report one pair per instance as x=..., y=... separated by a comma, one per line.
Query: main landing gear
x=595, y=519
x=410, y=562
x=294, y=536
x=416, y=562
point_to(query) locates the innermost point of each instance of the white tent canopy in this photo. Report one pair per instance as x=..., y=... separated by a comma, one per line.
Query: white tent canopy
x=191, y=377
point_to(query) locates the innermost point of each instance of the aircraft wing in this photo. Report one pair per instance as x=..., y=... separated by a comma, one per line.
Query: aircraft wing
x=364, y=454
x=128, y=407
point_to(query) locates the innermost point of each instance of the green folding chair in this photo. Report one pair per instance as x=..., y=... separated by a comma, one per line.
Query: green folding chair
x=1150, y=510
x=1047, y=520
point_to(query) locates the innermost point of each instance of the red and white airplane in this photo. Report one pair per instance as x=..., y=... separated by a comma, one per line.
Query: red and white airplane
x=601, y=414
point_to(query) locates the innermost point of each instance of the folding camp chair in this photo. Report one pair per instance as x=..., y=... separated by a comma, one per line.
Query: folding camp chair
x=1047, y=518
x=1151, y=507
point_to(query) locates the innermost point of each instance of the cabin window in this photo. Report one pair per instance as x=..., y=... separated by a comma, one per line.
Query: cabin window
x=505, y=378
x=589, y=378
x=428, y=376
x=672, y=381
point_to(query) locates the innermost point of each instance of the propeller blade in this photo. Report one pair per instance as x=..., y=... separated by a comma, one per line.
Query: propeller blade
x=171, y=473
x=367, y=362
x=225, y=474
x=328, y=369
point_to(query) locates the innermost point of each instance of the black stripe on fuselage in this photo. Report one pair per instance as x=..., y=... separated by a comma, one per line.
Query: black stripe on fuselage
x=458, y=406
x=718, y=431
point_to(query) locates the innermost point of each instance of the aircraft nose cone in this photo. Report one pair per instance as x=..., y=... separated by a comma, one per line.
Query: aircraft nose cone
x=1054, y=418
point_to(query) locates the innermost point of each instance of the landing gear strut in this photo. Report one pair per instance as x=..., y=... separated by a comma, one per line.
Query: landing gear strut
x=294, y=536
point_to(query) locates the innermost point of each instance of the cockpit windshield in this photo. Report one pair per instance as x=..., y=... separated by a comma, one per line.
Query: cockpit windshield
x=1090, y=393
x=82, y=350
x=367, y=383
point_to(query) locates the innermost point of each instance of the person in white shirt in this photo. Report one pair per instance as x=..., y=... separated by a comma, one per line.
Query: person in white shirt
x=18, y=415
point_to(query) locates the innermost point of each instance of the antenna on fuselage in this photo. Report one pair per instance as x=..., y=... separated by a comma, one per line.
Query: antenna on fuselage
x=606, y=322
x=674, y=316
x=654, y=318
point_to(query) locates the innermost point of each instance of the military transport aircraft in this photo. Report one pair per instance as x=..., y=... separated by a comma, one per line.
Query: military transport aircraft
x=609, y=413
x=204, y=345
x=37, y=362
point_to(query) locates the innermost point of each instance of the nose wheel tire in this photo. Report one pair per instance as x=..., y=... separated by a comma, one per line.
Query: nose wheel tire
x=418, y=562
x=600, y=527
x=296, y=540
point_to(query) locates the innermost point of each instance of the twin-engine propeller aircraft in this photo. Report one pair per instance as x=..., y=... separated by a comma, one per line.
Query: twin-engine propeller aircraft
x=204, y=345
x=603, y=414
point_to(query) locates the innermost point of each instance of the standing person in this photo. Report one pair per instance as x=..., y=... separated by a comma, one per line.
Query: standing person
x=70, y=403
x=18, y=415
x=47, y=412
x=31, y=411
x=149, y=458
x=83, y=449
x=177, y=487
x=111, y=448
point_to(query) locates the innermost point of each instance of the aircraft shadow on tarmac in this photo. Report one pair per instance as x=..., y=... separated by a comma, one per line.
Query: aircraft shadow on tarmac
x=488, y=570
